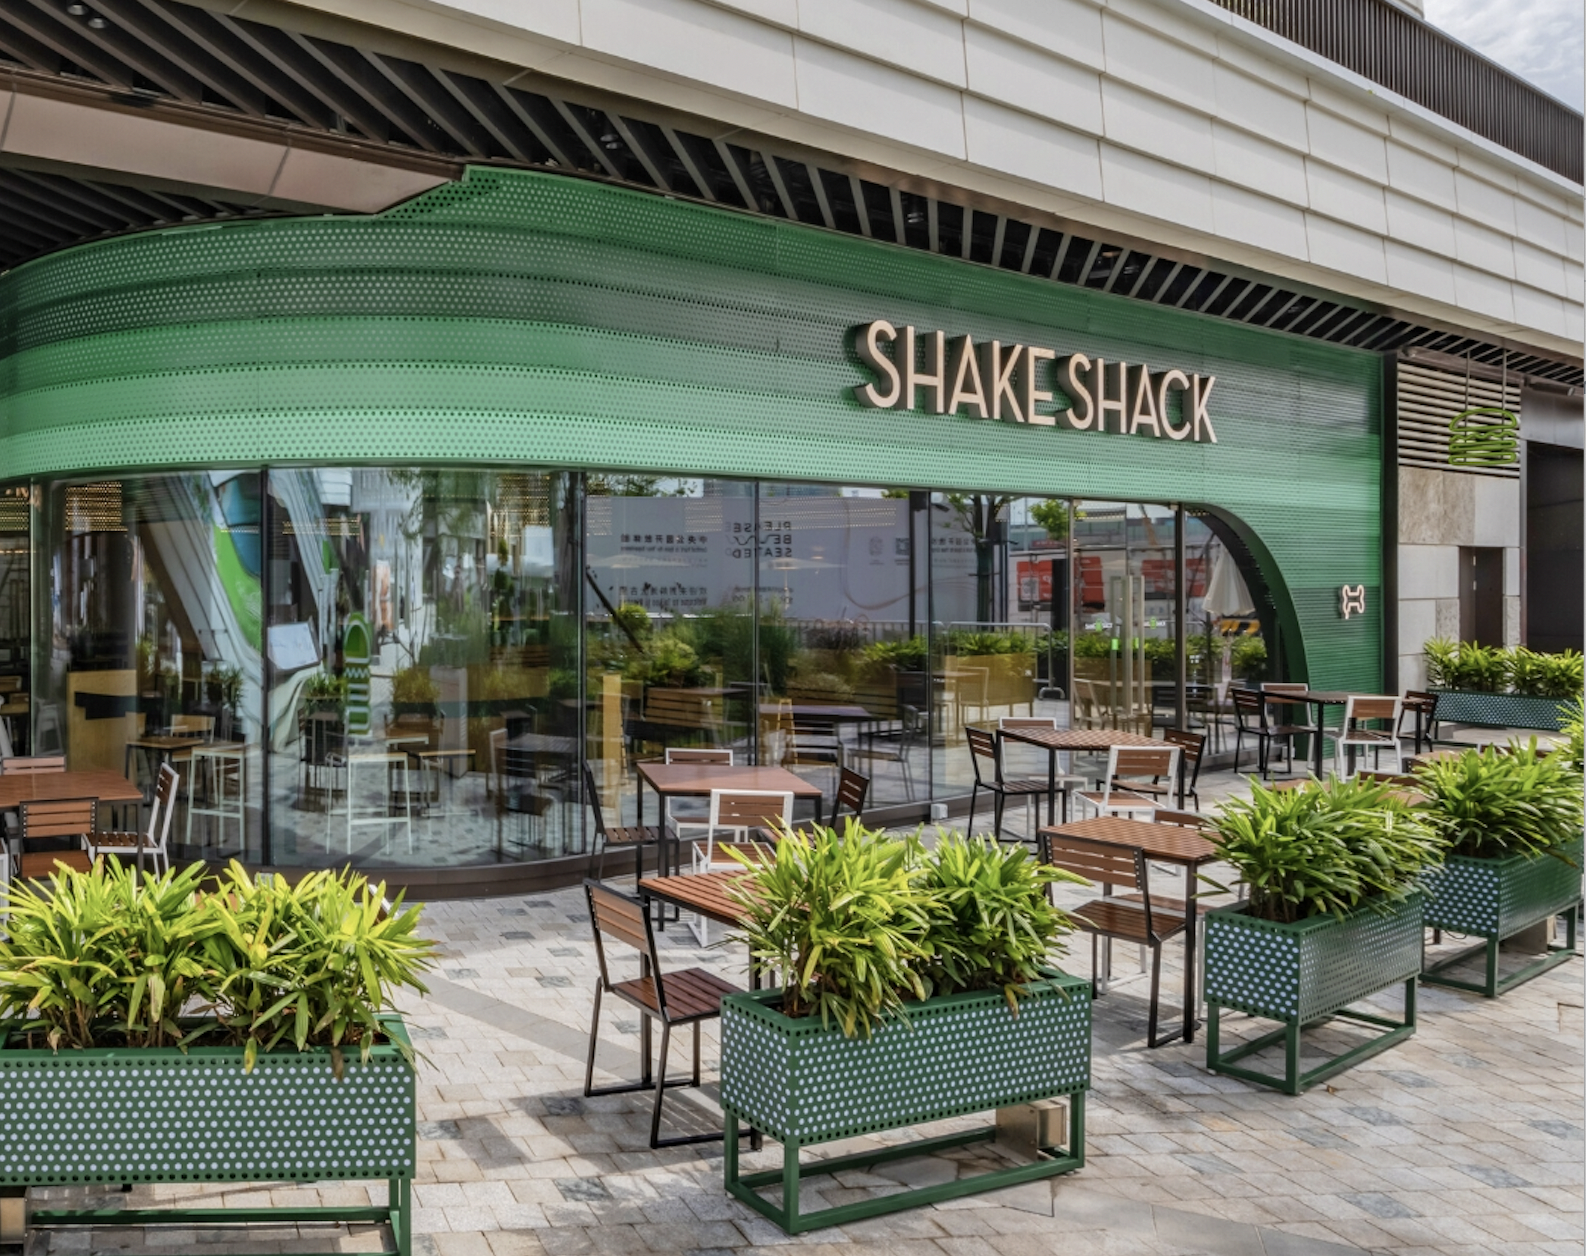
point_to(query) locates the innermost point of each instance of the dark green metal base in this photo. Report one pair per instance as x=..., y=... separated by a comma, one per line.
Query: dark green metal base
x=398, y=1213
x=1493, y=986
x=746, y=1188
x=1293, y=1082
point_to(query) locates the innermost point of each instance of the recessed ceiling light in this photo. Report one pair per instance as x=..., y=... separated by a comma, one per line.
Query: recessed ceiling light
x=97, y=22
x=77, y=10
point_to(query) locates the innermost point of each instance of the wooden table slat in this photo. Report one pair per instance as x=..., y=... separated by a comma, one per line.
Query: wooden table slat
x=101, y=783
x=705, y=893
x=1078, y=738
x=1167, y=843
x=680, y=780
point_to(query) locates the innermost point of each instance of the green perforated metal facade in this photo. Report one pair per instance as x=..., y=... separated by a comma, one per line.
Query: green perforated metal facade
x=521, y=317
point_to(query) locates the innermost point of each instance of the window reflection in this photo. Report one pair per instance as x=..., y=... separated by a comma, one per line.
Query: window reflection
x=15, y=608
x=424, y=664
x=153, y=620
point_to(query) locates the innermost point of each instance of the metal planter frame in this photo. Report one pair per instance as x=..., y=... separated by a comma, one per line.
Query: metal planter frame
x=114, y=1116
x=1494, y=899
x=1304, y=973
x=803, y=1083
x=1499, y=710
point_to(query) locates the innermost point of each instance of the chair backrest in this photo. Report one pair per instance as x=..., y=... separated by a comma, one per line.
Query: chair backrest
x=1248, y=705
x=37, y=764
x=1372, y=708
x=66, y=817
x=165, y=787
x=750, y=808
x=1191, y=746
x=592, y=797
x=1153, y=761
x=10, y=684
x=852, y=790
x=35, y=866
x=1105, y=863
x=1188, y=819
x=1416, y=700
x=193, y=726
x=617, y=917
x=1027, y=721
x=1284, y=686
x=677, y=754
x=982, y=745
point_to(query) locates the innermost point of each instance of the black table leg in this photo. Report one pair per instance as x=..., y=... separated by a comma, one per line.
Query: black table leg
x=1191, y=922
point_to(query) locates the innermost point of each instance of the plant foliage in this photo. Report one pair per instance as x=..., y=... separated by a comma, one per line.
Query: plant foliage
x=1496, y=802
x=1489, y=669
x=110, y=958
x=859, y=923
x=1326, y=848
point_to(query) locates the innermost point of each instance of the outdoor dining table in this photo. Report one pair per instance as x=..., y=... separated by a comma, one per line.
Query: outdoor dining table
x=1323, y=698
x=105, y=784
x=1162, y=843
x=1056, y=740
x=697, y=780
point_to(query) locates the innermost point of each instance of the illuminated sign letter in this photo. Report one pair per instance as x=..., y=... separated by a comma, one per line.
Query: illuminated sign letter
x=966, y=370
x=867, y=343
x=1033, y=358
x=931, y=378
x=1104, y=403
x=998, y=367
x=1075, y=367
x=1352, y=600
x=1202, y=392
x=1143, y=412
x=1165, y=381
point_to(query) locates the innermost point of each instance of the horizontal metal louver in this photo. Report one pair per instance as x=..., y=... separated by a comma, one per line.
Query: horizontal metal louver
x=1428, y=402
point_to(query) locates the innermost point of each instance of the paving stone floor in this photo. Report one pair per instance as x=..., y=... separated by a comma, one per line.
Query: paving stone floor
x=1465, y=1140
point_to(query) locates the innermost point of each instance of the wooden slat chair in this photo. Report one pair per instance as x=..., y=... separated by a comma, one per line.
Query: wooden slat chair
x=1185, y=783
x=686, y=997
x=1135, y=919
x=1423, y=706
x=1125, y=764
x=28, y=765
x=155, y=840
x=52, y=830
x=984, y=750
x=1250, y=720
x=1360, y=711
x=753, y=818
x=633, y=836
x=892, y=745
x=1066, y=782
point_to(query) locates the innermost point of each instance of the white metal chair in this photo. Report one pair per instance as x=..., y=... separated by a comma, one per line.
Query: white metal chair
x=155, y=841
x=386, y=762
x=688, y=813
x=1358, y=710
x=739, y=812
x=222, y=771
x=1129, y=761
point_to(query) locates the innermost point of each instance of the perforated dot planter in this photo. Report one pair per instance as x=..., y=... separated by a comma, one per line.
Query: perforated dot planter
x=1493, y=899
x=1499, y=710
x=114, y=1116
x=1303, y=973
x=803, y=1083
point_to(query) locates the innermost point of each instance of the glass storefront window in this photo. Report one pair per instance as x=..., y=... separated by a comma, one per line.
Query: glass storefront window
x=423, y=643
x=669, y=629
x=843, y=616
x=999, y=572
x=147, y=645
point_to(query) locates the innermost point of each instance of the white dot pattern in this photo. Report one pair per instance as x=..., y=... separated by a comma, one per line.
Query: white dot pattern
x=1493, y=898
x=158, y=1116
x=795, y=1080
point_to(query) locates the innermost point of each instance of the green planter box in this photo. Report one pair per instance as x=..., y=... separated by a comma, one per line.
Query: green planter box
x=803, y=1084
x=119, y=1115
x=1303, y=973
x=1500, y=710
x=1494, y=899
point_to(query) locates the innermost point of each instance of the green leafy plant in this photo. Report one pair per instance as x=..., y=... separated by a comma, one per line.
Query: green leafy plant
x=325, y=690
x=223, y=687
x=907, y=654
x=844, y=922
x=860, y=923
x=1326, y=848
x=111, y=958
x=1248, y=658
x=1546, y=675
x=1573, y=748
x=414, y=686
x=1495, y=802
x=1051, y=514
x=994, y=923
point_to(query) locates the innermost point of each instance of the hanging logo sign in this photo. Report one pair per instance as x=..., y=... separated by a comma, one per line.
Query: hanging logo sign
x=1484, y=436
x=1351, y=600
x=356, y=656
x=932, y=372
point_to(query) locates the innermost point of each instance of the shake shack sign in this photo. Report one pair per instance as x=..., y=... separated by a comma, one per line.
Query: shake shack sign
x=938, y=374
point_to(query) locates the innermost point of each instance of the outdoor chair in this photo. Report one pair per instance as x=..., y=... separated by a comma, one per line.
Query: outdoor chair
x=1135, y=919
x=1352, y=736
x=1126, y=764
x=753, y=819
x=1284, y=714
x=633, y=836
x=1191, y=746
x=852, y=791
x=54, y=827
x=1064, y=781
x=1423, y=706
x=686, y=997
x=1250, y=720
x=892, y=746
x=154, y=841
x=986, y=757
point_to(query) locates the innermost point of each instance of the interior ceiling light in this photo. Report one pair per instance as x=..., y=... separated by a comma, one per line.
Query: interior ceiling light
x=77, y=10
x=97, y=22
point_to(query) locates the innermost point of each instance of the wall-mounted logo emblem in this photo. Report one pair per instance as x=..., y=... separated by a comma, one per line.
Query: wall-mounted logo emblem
x=1484, y=436
x=356, y=655
x=1352, y=600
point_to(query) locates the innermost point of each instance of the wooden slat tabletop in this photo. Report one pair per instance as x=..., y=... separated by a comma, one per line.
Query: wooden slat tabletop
x=1078, y=738
x=1167, y=843
x=705, y=893
x=672, y=780
x=101, y=783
